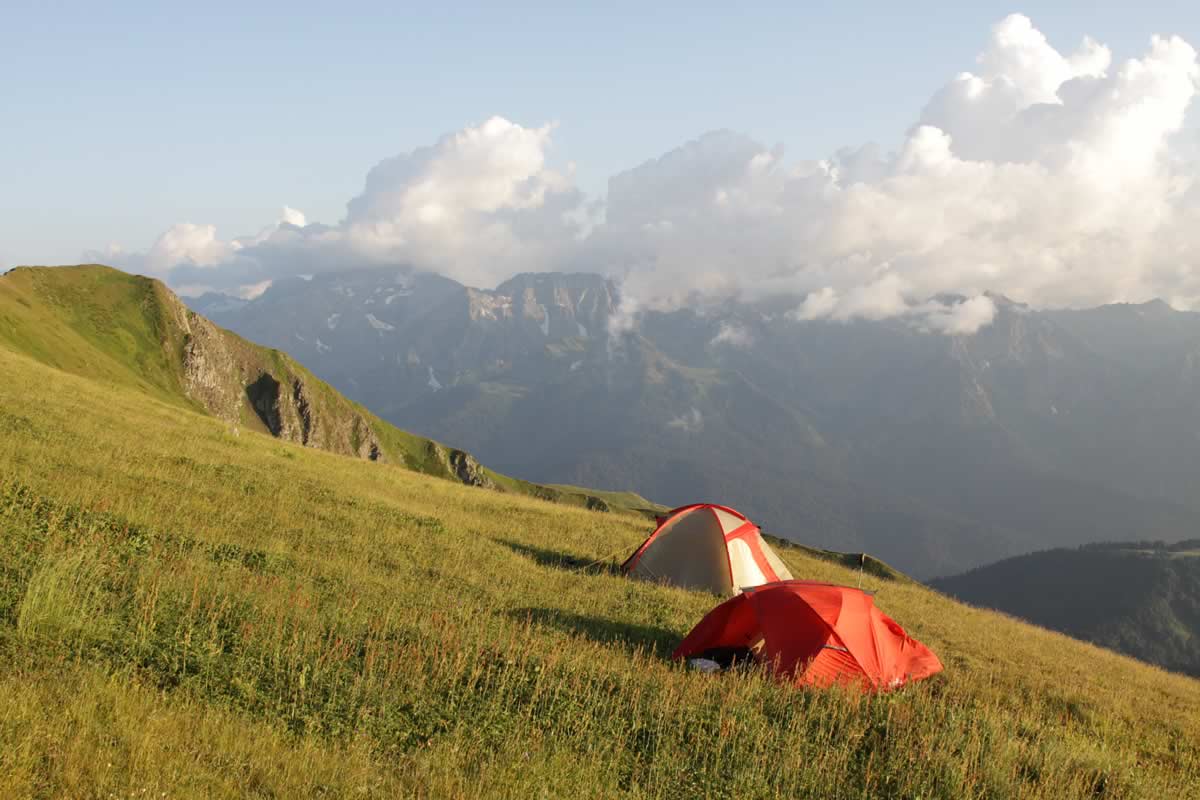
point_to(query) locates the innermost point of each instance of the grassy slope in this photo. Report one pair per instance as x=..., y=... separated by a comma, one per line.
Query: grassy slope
x=105, y=324
x=91, y=321
x=187, y=612
x=862, y=563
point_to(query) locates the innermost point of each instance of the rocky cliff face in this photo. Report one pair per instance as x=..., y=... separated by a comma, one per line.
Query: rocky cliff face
x=208, y=369
x=464, y=467
x=288, y=413
x=391, y=338
x=560, y=305
x=233, y=381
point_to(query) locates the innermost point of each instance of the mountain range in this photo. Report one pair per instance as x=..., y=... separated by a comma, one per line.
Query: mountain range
x=938, y=453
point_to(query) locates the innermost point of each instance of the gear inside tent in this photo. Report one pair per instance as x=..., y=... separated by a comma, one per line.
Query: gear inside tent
x=705, y=546
x=811, y=634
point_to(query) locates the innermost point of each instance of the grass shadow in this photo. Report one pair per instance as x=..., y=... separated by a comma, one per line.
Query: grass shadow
x=561, y=560
x=650, y=639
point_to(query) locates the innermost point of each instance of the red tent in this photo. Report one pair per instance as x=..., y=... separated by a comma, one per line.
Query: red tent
x=814, y=634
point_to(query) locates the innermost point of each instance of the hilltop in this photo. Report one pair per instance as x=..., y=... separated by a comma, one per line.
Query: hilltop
x=104, y=324
x=1139, y=598
x=193, y=611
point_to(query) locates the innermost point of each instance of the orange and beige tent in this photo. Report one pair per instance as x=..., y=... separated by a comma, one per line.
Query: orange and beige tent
x=813, y=634
x=705, y=546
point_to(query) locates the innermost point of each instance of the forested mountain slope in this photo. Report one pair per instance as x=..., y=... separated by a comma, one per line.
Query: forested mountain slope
x=1140, y=598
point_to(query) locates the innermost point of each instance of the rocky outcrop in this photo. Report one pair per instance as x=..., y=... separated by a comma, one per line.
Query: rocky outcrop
x=303, y=411
x=562, y=305
x=594, y=503
x=264, y=397
x=208, y=362
x=290, y=412
x=466, y=469
x=233, y=381
x=363, y=442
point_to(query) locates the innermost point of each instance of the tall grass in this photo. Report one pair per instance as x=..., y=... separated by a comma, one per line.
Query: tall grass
x=186, y=612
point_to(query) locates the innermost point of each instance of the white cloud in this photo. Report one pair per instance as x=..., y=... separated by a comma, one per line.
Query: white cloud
x=250, y=291
x=733, y=335
x=1018, y=179
x=293, y=217
x=186, y=243
x=881, y=299
x=478, y=206
x=194, y=259
x=690, y=421
x=886, y=299
x=1055, y=179
x=958, y=319
x=817, y=305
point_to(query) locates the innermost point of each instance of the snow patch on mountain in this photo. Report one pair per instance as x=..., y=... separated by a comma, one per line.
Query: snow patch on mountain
x=379, y=324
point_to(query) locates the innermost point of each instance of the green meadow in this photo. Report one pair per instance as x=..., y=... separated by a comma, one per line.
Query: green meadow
x=193, y=609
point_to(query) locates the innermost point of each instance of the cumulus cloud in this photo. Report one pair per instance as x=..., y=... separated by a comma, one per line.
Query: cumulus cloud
x=293, y=217
x=732, y=334
x=478, y=206
x=186, y=243
x=1055, y=178
x=1046, y=177
x=885, y=299
x=960, y=318
x=818, y=305
x=194, y=259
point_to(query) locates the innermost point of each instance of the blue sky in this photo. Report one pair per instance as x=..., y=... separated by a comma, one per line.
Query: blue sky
x=119, y=120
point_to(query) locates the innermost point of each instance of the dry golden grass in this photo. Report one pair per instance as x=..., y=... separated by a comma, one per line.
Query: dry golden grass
x=189, y=613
